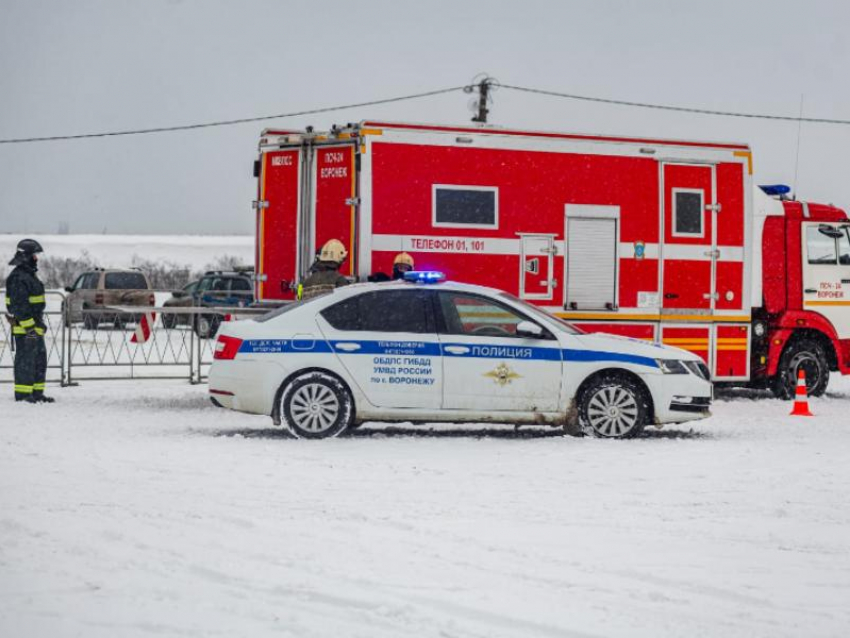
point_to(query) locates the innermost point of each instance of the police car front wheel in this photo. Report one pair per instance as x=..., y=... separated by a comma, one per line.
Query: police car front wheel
x=614, y=406
x=316, y=405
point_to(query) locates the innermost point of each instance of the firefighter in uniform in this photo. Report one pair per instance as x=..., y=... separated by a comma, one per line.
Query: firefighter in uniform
x=325, y=275
x=25, y=305
x=401, y=264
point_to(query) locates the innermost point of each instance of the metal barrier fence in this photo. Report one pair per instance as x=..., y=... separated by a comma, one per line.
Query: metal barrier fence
x=98, y=343
x=54, y=340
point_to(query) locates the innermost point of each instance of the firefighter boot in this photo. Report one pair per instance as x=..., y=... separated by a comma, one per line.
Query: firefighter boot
x=38, y=397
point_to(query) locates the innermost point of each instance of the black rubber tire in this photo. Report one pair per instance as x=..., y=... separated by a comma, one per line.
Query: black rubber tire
x=206, y=326
x=636, y=406
x=331, y=393
x=809, y=355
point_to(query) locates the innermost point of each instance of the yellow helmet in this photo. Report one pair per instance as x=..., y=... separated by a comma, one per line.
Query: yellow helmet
x=333, y=250
x=403, y=258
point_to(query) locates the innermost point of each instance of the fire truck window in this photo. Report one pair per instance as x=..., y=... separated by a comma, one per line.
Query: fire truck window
x=687, y=212
x=844, y=248
x=458, y=206
x=819, y=247
x=477, y=316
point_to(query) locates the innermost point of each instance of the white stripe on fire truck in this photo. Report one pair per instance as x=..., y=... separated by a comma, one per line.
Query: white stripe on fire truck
x=509, y=246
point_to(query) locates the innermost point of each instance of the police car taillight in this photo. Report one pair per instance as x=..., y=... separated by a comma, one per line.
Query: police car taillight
x=226, y=347
x=424, y=276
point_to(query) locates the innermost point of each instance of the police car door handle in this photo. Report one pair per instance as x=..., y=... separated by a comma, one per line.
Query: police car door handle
x=456, y=349
x=348, y=347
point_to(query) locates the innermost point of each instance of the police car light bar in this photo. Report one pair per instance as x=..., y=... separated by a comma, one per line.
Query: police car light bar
x=424, y=276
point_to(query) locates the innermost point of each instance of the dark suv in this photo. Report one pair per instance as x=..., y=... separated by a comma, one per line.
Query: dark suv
x=230, y=289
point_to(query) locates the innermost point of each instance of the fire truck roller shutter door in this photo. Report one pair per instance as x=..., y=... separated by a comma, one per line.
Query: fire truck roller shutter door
x=591, y=261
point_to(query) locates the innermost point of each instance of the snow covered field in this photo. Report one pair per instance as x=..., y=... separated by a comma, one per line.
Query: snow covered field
x=117, y=251
x=138, y=509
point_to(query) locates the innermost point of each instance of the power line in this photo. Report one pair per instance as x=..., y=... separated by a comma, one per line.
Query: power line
x=680, y=109
x=189, y=127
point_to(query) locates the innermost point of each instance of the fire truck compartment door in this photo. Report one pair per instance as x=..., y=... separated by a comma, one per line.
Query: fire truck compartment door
x=591, y=260
x=689, y=242
x=486, y=367
x=278, y=223
x=537, y=256
x=826, y=273
x=334, y=200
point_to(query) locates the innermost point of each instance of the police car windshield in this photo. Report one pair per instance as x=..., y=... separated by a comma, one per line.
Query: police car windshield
x=548, y=319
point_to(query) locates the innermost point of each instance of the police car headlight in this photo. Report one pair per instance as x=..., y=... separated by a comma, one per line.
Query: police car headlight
x=671, y=366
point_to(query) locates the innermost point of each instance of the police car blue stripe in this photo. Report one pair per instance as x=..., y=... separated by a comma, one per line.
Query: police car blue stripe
x=449, y=350
x=281, y=346
x=501, y=351
x=592, y=356
x=388, y=346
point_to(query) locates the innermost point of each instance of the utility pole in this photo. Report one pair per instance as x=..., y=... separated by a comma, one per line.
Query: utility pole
x=483, y=87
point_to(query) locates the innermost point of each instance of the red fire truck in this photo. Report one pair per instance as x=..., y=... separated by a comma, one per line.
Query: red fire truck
x=646, y=238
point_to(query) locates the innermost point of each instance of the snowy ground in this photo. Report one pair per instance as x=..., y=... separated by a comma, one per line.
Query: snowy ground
x=137, y=509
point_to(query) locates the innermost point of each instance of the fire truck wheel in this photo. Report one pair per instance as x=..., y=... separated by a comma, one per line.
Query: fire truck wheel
x=613, y=406
x=316, y=405
x=811, y=357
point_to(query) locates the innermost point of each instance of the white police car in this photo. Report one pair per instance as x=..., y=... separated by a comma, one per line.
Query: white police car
x=408, y=351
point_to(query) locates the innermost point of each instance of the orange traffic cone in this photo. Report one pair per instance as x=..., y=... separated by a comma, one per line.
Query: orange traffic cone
x=801, y=400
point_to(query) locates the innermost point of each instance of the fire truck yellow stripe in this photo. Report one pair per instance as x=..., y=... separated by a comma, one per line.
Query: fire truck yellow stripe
x=749, y=156
x=732, y=340
x=735, y=348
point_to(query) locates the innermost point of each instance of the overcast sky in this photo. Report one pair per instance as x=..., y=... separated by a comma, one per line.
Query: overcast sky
x=85, y=66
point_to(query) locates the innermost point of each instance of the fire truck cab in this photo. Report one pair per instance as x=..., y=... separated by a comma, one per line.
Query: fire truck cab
x=803, y=320
x=659, y=240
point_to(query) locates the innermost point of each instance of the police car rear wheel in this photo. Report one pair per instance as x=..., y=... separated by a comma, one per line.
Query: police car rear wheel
x=316, y=406
x=614, y=407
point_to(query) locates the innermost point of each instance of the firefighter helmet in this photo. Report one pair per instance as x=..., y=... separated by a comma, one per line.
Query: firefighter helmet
x=334, y=251
x=29, y=247
x=403, y=259
x=25, y=250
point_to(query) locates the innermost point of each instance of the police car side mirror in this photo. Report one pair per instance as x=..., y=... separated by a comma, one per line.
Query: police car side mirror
x=529, y=329
x=69, y=289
